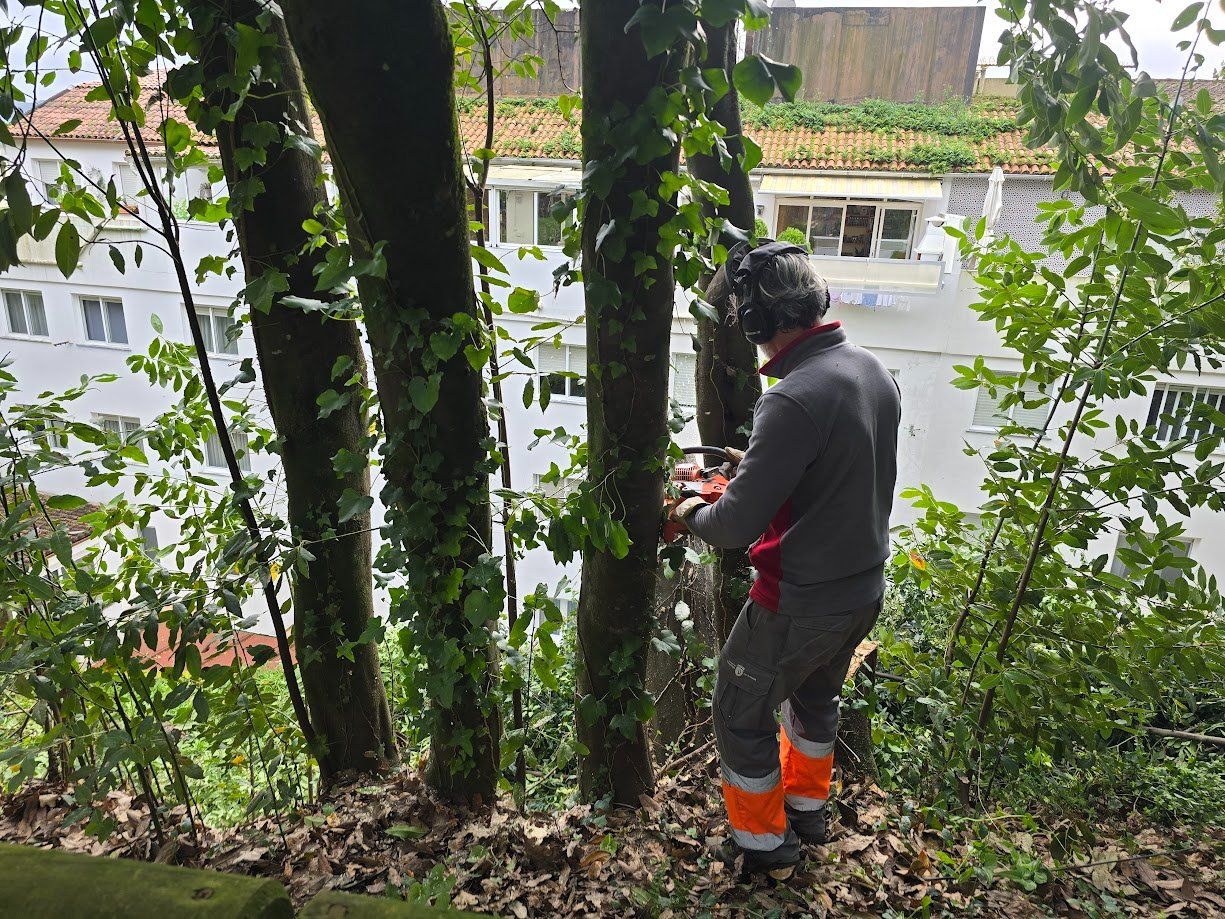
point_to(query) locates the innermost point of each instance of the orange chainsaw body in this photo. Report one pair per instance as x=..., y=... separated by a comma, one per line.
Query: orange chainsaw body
x=689, y=480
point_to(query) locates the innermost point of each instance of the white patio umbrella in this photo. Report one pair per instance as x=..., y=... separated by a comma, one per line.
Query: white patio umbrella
x=994, y=202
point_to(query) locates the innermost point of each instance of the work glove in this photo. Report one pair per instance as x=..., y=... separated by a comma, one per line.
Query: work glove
x=687, y=507
x=734, y=457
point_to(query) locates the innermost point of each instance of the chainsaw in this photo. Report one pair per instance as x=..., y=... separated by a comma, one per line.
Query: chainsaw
x=692, y=480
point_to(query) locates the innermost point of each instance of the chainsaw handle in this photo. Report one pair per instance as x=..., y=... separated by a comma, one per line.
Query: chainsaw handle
x=710, y=451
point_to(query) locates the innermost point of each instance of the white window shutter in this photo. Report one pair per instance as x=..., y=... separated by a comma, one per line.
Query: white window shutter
x=987, y=413
x=550, y=359
x=684, y=379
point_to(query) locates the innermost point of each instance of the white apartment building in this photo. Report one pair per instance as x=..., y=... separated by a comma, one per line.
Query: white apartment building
x=898, y=289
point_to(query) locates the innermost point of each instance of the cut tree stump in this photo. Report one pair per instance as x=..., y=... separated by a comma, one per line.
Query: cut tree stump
x=46, y=884
x=853, y=753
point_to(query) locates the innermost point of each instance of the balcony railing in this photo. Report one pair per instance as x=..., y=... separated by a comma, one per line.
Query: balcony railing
x=880, y=275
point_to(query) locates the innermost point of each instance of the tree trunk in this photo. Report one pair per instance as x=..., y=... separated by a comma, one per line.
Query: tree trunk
x=629, y=289
x=727, y=382
x=381, y=79
x=297, y=351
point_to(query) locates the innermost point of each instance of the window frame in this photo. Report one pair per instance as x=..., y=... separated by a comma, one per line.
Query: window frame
x=213, y=313
x=493, y=209
x=6, y=325
x=880, y=204
x=1163, y=390
x=542, y=376
x=103, y=299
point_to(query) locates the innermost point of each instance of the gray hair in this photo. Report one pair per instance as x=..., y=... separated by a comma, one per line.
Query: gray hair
x=792, y=291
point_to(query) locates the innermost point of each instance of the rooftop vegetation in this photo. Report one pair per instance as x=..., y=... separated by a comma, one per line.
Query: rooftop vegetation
x=978, y=120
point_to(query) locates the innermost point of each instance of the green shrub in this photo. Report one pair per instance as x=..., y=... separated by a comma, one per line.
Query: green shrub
x=795, y=237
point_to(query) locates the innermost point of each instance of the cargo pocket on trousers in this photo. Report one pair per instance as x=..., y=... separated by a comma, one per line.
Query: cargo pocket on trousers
x=742, y=687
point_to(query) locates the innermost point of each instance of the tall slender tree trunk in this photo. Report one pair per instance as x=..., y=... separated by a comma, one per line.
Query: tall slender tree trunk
x=271, y=195
x=381, y=78
x=630, y=293
x=727, y=382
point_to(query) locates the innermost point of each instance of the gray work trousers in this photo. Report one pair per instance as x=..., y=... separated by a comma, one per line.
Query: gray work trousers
x=772, y=781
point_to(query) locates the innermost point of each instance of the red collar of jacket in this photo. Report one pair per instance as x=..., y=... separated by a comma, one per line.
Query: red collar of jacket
x=771, y=367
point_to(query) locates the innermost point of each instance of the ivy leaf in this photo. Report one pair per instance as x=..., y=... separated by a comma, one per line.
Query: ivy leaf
x=67, y=248
x=260, y=292
x=424, y=392
x=752, y=154
x=753, y=80
x=352, y=503
x=787, y=77
x=330, y=401
x=720, y=12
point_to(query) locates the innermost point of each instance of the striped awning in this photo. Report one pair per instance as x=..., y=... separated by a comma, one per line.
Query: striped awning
x=905, y=188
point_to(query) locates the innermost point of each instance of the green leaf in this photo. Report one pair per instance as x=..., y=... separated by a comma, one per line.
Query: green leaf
x=720, y=12
x=66, y=502
x=1187, y=16
x=21, y=211
x=1154, y=215
x=406, y=831
x=424, y=392
x=753, y=80
x=787, y=77
x=752, y=154
x=522, y=300
x=330, y=401
x=67, y=248
x=352, y=503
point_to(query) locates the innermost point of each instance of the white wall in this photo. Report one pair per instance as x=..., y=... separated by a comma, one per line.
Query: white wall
x=922, y=337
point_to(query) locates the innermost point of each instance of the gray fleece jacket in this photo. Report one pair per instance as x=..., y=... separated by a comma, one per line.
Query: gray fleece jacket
x=814, y=491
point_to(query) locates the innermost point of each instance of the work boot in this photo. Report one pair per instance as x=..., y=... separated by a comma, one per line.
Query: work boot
x=811, y=826
x=777, y=865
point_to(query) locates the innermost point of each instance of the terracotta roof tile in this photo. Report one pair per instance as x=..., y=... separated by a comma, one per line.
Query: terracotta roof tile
x=535, y=129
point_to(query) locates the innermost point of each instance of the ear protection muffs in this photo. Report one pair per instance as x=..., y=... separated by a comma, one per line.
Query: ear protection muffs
x=745, y=265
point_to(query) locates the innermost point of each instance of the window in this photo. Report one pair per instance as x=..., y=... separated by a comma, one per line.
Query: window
x=880, y=229
x=104, y=320
x=148, y=536
x=554, y=362
x=124, y=427
x=24, y=313
x=562, y=488
x=684, y=379
x=214, y=458
x=1174, y=409
x=525, y=218
x=178, y=189
x=48, y=175
x=988, y=415
x=219, y=329
x=1179, y=546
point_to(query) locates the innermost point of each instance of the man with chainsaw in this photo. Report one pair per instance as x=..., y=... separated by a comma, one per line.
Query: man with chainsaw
x=812, y=494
